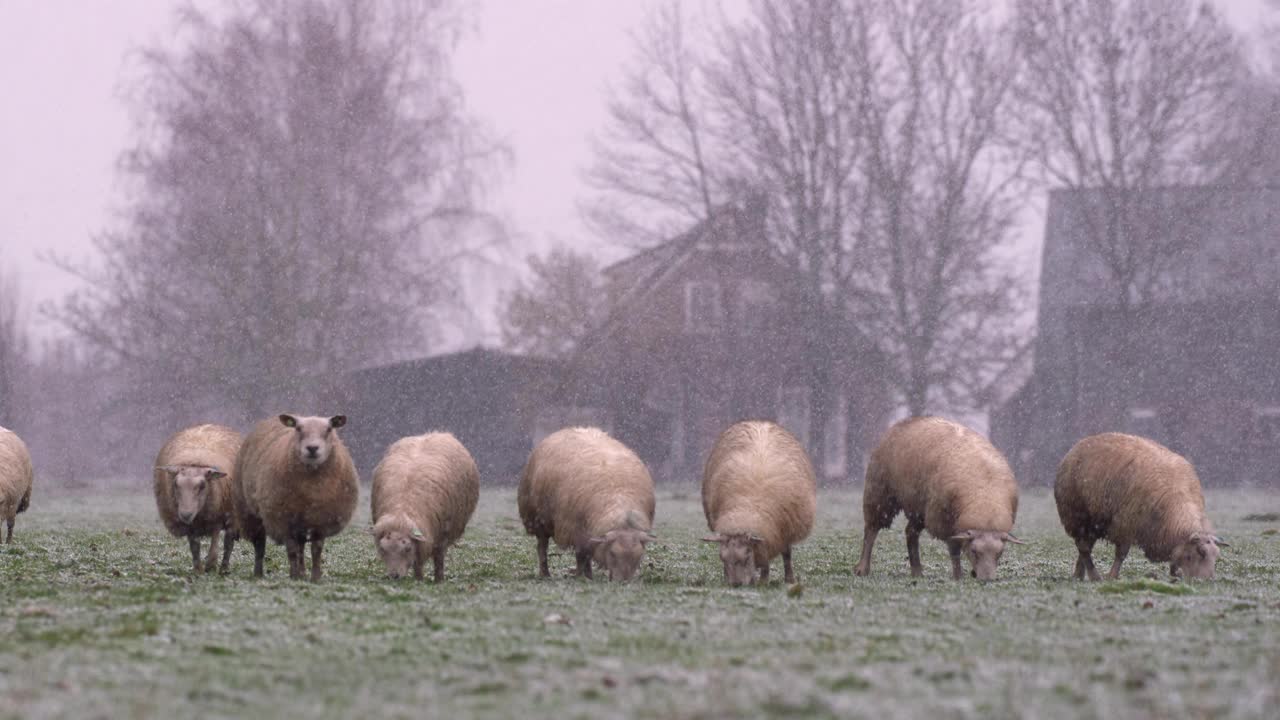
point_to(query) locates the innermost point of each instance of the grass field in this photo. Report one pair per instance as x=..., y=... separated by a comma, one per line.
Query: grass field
x=100, y=617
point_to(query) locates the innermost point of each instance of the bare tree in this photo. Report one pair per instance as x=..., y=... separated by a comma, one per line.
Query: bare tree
x=1119, y=100
x=873, y=151
x=768, y=116
x=942, y=191
x=653, y=160
x=301, y=178
x=552, y=312
x=14, y=349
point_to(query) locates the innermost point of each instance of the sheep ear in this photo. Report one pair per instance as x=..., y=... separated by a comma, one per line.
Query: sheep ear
x=963, y=537
x=593, y=543
x=714, y=537
x=418, y=536
x=1009, y=537
x=337, y=421
x=289, y=421
x=1220, y=542
x=214, y=474
x=755, y=539
x=171, y=469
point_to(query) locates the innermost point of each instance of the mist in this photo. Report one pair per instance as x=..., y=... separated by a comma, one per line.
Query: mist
x=631, y=216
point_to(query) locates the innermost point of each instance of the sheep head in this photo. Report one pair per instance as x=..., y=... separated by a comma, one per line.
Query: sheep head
x=984, y=548
x=313, y=437
x=738, y=553
x=1196, y=556
x=191, y=488
x=399, y=543
x=620, y=551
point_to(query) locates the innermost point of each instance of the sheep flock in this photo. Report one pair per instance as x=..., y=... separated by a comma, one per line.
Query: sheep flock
x=291, y=480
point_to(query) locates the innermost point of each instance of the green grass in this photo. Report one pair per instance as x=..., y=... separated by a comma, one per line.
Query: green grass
x=100, y=617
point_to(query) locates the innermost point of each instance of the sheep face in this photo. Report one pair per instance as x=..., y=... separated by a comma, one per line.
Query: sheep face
x=191, y=489
x=738, y=553
x=313, y=437
x=398, y=550
x=1196, y=557
x=620, y=552
x=984, y=548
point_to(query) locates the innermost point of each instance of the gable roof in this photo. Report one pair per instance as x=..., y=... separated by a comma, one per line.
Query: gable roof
x=638, y=277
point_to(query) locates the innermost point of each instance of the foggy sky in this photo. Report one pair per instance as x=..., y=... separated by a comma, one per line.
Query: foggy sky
x=534, y=71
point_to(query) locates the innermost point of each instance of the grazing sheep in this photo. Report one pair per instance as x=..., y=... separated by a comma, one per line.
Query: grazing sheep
x=15, y=478
x=759, y=495
x=947, y=479
x=590, y=492
x=424, y=492
x=294, y=483
x=1133, y=491
x=193, y=489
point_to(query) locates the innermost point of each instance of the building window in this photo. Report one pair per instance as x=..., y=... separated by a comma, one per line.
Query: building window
x=835, y=454
x=701, y=306
x=793, y=411
x=755, y=302
x=1266, y=426
x=1145, y=422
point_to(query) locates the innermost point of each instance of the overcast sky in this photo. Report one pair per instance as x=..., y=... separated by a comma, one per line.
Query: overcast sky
x=534, y=70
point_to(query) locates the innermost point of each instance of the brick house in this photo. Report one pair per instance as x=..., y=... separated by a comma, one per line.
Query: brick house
x=1193, y=365
x=703, y=331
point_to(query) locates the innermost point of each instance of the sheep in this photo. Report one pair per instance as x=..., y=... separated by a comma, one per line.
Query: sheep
x=294, y=482
x=15, y=479
x=947, y=479
x=424, y=492
x=592, y=493
x=1130, y=490
x=759, y=497
x=192, y=485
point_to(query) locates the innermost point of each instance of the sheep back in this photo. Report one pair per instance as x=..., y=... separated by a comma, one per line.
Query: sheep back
x=1131, y=491
x=942, y=475
x=208, y=446
x=758, y=480
x=15, y=475
x=432, y=480
x=581, y=483
x=274, y=491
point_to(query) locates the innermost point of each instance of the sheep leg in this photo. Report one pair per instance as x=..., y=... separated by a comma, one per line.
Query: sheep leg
x=584, y=563
x=543, y=570
x=211, y=561
x=418, y=561
x=764, y=573
x=228, y=542
x=913, y=550
x=956, y=548
x=787, y=572
x=1121, y=552
x=868, y=540
x=437, y=558
x=9, y=537
x=297, y=565
x=317, y=549
x=193, y=543
x=1084, y=565
x=259, y=552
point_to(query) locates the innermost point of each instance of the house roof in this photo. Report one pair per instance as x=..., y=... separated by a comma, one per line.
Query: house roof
x=478, y=361
x=637, y=277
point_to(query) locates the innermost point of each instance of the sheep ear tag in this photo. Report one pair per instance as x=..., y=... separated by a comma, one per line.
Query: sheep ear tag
x=417, y=534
